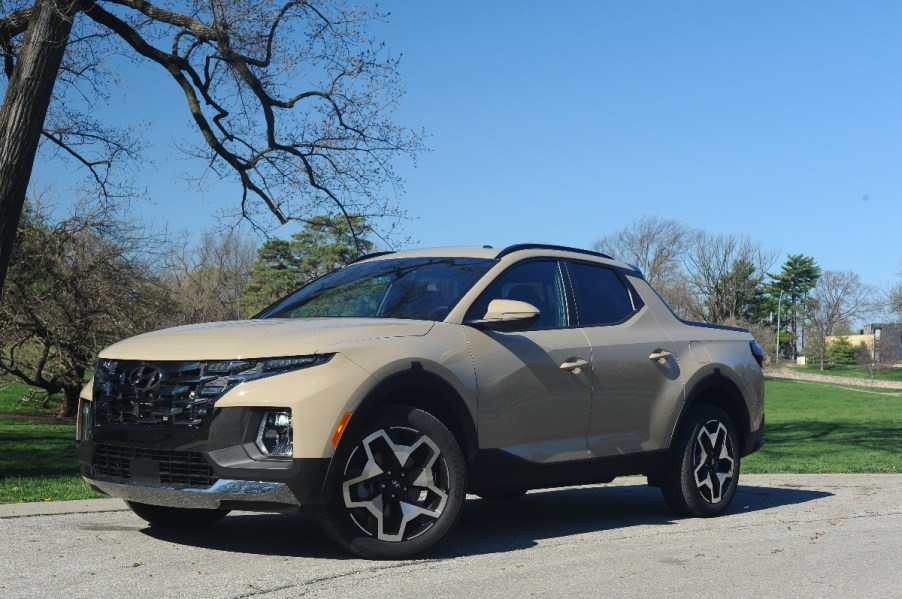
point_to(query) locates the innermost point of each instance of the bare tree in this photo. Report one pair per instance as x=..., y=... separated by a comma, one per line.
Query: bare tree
x=656, y=246
x=894, y=303
x=208, y=278
x=291, y=98
x=653, y=244
x=723, y=273
x=882, y=357
x=838, y=297
x=679, y=295
x=74, y=287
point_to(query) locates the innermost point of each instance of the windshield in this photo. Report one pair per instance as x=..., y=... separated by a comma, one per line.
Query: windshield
x=412, y=288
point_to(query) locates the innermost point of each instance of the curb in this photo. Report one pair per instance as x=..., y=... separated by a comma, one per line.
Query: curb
x=791, y=375
x=57, y=508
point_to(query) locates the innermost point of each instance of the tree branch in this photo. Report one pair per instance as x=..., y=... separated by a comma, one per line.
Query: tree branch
x=101, y=181
x=13, y=25
x=177, y=68
x=156, y=13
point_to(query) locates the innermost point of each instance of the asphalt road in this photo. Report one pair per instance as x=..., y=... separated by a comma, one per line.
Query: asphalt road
x=785, y=536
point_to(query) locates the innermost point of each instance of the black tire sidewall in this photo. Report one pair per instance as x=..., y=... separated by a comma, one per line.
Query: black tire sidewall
x=336, y=520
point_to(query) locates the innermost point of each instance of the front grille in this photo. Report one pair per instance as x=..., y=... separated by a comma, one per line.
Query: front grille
x=173, y=394
x=181, y=468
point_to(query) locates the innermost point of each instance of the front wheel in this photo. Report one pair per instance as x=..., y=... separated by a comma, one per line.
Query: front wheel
x=176, y=517
x=402, y=485
x=704, y=471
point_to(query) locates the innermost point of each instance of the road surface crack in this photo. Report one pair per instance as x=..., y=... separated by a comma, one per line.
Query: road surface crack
x=338, y=575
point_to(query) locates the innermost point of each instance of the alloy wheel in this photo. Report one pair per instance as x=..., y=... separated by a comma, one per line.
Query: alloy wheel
x=396, y=484
x=713, y=462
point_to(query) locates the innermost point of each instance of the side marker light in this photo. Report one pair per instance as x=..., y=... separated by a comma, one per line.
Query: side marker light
x=340, y=428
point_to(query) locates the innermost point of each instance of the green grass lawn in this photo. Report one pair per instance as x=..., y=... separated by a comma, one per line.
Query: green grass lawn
x=37, y=462
x=810, y=428
x=826, y=428
x=850, y=370
x=11, y=395
x=37, y=451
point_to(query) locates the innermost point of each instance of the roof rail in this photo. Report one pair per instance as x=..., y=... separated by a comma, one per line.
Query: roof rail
x=368, y=256
x=544, y=246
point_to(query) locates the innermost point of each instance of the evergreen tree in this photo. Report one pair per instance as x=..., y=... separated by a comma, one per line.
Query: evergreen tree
x=841, y=351
x=795, y=280
x=282, y=265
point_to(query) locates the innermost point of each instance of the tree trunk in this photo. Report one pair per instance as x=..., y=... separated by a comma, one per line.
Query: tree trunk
x=69, y=407
x=72, y=383
x=24, y=110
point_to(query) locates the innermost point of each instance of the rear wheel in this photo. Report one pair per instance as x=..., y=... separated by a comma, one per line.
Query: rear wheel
x=402, y=486
x=704, y=471
x=176, y=517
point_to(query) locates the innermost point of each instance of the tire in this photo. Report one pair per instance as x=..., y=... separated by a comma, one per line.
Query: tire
x=502, y=494
x=176, y=517
x=704, y=472
x=402, y=485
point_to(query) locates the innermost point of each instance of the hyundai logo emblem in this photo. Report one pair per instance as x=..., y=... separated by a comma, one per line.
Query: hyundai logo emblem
x=145, y=378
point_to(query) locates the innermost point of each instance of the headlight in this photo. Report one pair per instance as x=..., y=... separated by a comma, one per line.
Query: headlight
x=274, y=434
x=248, y=370
x=219, y=376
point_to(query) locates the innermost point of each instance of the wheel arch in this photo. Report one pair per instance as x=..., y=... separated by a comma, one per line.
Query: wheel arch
x=717, y=389
x=417, y=388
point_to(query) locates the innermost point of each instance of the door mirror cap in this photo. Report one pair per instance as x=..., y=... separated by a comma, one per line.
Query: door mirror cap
x=507, y=315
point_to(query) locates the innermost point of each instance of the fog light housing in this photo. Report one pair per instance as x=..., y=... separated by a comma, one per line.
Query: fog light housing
x=86, y=418
x=274, y=437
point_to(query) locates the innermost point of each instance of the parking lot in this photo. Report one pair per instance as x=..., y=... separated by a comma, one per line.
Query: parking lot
x=786, y=535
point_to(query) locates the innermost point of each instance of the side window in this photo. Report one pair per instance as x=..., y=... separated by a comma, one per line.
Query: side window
x=538, y=283
x=601, y=297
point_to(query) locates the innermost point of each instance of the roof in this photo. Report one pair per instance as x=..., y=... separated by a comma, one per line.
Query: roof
x=487, y=251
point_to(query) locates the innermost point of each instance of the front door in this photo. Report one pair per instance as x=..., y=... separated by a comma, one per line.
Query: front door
x=534, y=387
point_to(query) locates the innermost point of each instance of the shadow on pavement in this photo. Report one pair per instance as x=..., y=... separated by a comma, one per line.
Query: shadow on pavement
x=484, y=526
x=497, y=526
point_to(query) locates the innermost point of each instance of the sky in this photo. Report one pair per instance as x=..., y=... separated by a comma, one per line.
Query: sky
x=561, y=122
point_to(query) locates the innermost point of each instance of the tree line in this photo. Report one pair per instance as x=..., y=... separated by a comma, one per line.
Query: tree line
x=80, y=282
x=731, y=279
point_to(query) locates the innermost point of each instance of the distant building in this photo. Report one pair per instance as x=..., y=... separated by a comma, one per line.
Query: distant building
x=883, y=340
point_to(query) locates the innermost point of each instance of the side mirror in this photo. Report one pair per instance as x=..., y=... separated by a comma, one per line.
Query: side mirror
x=507, y=315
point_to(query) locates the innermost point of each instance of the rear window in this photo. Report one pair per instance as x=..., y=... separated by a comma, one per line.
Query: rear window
x=601, y=297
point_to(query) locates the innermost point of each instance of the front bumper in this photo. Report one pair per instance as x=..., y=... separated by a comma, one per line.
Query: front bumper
x=224, y=494
x=755, y=440
x=215, y=466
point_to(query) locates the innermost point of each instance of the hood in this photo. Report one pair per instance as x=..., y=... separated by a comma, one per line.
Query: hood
x=242, y=339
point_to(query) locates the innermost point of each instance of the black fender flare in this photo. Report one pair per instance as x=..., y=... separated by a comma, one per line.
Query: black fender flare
x=731, y=400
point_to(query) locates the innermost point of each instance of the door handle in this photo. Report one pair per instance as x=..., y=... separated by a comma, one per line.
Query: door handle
x=574, y=365
x=659, y=355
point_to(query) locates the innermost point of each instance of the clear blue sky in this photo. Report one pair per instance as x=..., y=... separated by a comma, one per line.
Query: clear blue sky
x=560, y=122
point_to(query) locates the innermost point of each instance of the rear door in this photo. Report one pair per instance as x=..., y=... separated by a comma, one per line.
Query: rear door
x=635, y=377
